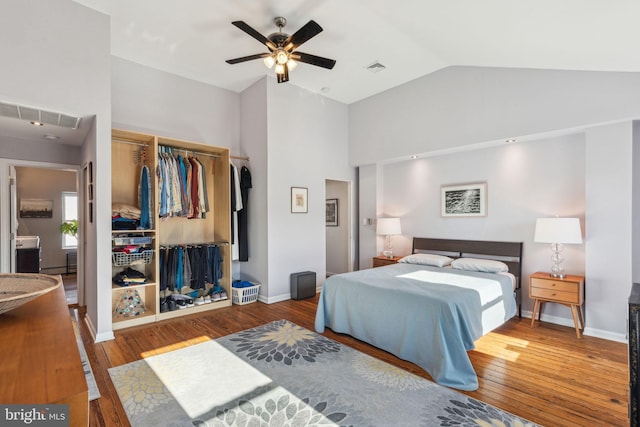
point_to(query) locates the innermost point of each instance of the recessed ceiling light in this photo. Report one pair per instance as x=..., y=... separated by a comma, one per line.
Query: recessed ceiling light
x=51, y=137
x=35, y=123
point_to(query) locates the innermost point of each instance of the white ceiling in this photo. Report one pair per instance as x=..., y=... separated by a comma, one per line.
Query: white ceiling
x=412, y=38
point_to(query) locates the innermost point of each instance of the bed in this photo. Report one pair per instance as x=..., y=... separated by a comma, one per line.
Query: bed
x=428, y=312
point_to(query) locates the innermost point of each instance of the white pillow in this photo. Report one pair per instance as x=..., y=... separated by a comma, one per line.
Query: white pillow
x=427, y=259
x=478, y=264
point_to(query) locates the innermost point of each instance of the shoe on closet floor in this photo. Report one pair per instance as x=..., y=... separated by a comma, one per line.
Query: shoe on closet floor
x=207, y=299
x=223, y=294
x=190, y=302
x=200, y=300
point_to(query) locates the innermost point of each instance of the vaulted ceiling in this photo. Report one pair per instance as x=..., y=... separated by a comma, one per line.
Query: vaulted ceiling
x=411, y=38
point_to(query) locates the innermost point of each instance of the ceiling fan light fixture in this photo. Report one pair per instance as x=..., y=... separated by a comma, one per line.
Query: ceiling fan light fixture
x=269, y=61
x=279, y=69
x=282, y=56
x=291, y=65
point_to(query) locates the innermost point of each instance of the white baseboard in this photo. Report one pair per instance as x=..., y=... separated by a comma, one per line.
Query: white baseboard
x=591, y=332
x=105, y=336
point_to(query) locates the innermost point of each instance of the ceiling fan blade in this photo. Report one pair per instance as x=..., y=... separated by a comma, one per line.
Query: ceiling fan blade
x=309, y=30
x=253, y=33
x=313, y=60
x=247, y=58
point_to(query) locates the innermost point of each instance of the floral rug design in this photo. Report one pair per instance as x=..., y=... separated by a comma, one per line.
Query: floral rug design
x=281, y=374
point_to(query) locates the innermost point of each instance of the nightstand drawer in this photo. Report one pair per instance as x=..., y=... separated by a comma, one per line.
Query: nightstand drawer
x=554, y=285
x=555, y=295
x=380, y=261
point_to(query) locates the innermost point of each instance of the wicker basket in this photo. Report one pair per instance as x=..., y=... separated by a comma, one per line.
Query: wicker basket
x=19, y=288
x=121, y=259
x=246, y=295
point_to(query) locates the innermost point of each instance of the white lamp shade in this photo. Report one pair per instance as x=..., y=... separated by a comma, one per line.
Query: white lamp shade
x=558, y=230
x=388, y=226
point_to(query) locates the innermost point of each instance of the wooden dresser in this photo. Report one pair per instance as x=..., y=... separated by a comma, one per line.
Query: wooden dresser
x=39, y=358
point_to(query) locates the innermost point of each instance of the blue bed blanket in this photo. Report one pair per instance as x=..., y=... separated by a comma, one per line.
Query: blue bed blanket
x=427, y=315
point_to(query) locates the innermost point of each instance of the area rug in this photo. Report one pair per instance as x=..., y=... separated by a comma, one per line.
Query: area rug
x=281, y=374
x=94, y=393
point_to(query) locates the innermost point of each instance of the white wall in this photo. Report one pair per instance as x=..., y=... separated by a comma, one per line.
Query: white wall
x=368, y=210
x=459, y=106
x=148, y=100
x=60, y=61
x=525, y=181
x=609, y=232
x=307, y=144
x=254, y=144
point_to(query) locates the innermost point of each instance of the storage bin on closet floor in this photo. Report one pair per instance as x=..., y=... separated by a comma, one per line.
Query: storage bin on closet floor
x=246, y=295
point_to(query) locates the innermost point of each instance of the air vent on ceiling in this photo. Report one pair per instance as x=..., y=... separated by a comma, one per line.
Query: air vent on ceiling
x=376, y=67
x=33, y=114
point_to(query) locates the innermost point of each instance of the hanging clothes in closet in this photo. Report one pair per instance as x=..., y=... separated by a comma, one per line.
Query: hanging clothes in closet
x=182, y=187
x=144, y=199
x=243, y=215
x=192, y=266
x=236, y=206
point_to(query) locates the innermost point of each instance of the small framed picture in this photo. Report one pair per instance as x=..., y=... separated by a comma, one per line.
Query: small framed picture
x=299, y=200
x=332, y=212
x=463, y=200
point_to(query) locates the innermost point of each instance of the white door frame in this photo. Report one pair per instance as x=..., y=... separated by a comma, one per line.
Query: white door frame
x=351, y=222
x=6, y=242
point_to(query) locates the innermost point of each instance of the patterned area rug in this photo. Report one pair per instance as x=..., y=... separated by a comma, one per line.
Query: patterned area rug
x=281, y=374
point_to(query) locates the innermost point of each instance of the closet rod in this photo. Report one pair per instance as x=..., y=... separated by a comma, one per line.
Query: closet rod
x=222, y=243
x=200, y=153
x=124, y=141
x=240, y=158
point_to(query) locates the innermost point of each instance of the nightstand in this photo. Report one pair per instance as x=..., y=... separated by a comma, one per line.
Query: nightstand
x=379, y=261
x=567, y=291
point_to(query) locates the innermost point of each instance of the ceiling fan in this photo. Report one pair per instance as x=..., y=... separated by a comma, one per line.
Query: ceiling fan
x=282, y=48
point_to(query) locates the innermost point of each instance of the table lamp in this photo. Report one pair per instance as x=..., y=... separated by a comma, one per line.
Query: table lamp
x=388, y=227
x=558, y=232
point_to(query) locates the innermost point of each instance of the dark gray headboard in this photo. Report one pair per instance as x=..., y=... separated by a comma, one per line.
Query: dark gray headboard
x=508, y=252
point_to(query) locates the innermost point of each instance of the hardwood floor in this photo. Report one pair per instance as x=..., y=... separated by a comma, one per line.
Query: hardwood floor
x=544, y=374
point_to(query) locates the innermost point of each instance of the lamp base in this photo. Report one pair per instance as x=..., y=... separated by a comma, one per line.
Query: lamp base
x=388, y=253
x=558, y=275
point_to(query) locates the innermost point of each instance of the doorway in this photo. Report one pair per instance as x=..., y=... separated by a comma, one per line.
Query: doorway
x=340, y=244
x=42, y=197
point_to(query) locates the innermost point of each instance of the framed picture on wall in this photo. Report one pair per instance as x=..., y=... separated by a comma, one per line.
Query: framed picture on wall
x=299, y=200
x=36, y=208
x=332, y=213
x=463, y=200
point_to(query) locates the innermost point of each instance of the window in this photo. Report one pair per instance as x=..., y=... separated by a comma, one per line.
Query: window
x=69, y=213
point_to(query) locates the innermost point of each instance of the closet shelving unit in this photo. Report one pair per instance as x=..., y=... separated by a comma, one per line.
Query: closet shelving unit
x=214, y=228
